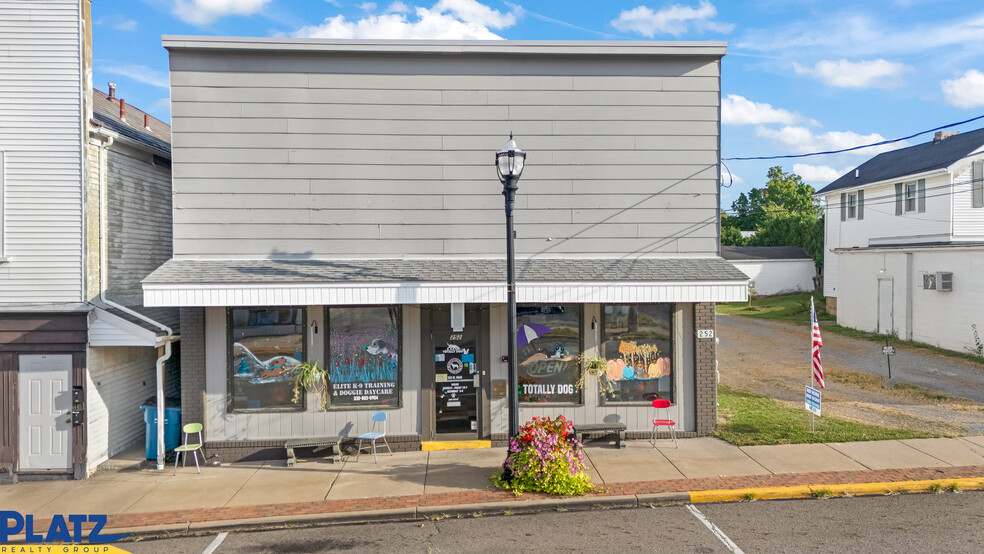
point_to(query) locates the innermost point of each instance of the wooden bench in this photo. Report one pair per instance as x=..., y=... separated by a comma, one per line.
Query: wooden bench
x=332, y=443
x=618, y=428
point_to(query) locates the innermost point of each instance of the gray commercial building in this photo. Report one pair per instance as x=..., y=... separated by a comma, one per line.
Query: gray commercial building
x=336, y=201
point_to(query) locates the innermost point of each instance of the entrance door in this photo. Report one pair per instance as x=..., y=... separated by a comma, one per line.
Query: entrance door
x=885, y=306
x=45, y=412
x=457, y=376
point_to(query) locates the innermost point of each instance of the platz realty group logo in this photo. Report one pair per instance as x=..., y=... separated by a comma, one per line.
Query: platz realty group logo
x=63, y=534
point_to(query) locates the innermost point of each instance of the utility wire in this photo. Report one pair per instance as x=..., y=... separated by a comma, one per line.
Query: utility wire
x=890, y=141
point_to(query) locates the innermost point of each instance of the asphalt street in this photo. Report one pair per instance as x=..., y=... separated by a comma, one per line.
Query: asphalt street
x=948, y=522
x=947, y=375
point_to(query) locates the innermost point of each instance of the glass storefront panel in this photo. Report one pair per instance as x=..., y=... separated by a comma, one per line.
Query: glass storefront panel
x=637, y=342
x=265, y=345
x=364, y=356
x=548, y=352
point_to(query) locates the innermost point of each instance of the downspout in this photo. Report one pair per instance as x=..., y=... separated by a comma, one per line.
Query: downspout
x=104, y=285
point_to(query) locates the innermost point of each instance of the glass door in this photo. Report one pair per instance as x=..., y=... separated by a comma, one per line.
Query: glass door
x=456, y=382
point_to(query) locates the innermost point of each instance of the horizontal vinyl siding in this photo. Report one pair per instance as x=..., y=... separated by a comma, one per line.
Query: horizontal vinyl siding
x=120, y=380
x=341, y=156
x=139, y=220
x=40, y=135
x=968, y=221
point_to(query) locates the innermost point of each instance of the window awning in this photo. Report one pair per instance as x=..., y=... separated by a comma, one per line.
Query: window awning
x=204, y=283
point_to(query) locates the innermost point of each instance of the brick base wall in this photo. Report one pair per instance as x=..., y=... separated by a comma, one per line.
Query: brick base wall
x=260, y=450
x=705, y=359
x=831, y=305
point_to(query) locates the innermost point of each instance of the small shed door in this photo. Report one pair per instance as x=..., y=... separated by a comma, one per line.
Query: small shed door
x=885, y=306
x=45, y=384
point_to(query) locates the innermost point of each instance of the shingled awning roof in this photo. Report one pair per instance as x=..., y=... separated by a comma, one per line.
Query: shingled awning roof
x=190, y=282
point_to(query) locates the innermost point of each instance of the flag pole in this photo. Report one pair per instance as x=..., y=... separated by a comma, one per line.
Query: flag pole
x=813, y=379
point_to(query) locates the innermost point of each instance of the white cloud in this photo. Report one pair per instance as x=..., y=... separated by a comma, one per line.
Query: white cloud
x=851, y=34
x=801, y=140
x=203, y=12
x=446, y=20
x=674, y=20
x=367, y=6
x=738, y=110
x=819, y=173
x=864, y=74
x=118, y=22
x=966, y=91
x=139, y=73
x=398, y=7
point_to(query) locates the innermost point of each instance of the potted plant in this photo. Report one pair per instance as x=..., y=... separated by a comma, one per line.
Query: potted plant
x=311, y=377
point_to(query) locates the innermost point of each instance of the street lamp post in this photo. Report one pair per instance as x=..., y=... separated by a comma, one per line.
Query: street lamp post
x=509, y=165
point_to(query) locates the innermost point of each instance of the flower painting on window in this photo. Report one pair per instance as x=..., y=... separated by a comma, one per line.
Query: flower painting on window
x=364, y=356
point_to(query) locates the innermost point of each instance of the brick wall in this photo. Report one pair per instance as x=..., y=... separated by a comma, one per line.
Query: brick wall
x=705, y=357
x=193, y=366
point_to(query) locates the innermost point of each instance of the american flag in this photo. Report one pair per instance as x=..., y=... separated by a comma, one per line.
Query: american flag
x=817, y=343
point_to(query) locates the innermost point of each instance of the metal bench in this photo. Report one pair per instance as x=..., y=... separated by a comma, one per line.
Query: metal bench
x=332, y=443
x=617, y=428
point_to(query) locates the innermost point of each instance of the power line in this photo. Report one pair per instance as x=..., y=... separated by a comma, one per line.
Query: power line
x=826, y=152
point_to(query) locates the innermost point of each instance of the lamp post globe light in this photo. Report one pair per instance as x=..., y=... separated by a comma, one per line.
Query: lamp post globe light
x=509, y=164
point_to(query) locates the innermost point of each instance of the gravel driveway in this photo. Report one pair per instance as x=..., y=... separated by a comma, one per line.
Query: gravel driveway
x=773, y=358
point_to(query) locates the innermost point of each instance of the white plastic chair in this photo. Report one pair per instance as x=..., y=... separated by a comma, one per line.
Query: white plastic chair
x=372, y=437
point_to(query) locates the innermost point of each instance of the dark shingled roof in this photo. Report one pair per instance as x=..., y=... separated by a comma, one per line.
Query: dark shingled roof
x=106, y=111
x=910, y=161
x=444, y=270
x=764, y=253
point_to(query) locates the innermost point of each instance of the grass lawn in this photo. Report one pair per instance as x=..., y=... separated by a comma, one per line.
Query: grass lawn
x=746, y=419
x=793, y=307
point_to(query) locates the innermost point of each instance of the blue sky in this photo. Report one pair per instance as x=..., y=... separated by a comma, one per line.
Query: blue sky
x=800, y=76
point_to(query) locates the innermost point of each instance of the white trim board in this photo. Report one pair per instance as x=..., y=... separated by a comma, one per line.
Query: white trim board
x=340, y=294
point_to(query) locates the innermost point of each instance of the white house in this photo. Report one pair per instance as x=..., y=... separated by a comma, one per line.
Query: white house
x=85, y=213
x=904, y=242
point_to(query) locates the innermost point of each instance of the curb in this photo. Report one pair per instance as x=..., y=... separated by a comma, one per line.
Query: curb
x=824, y=491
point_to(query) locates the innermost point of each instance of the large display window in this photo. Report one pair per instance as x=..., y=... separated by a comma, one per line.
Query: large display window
x=265, y=346
x=548, y=346
x=364, y=356
x=637, y=342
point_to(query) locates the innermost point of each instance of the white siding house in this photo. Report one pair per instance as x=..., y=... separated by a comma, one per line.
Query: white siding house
x=74, y=365
x=896, y=222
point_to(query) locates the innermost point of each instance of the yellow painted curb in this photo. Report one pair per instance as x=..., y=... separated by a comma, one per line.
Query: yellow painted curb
x=857, y=489
x=431, y=446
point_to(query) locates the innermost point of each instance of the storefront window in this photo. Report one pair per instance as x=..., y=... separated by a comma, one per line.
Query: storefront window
x=364, y=356
x=548, y=347
x=637, y=342
x=265, y=345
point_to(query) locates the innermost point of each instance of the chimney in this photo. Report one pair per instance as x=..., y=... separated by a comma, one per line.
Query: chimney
x=146, y=122
x=943, y=135
x=122, y=109
x=112, y=92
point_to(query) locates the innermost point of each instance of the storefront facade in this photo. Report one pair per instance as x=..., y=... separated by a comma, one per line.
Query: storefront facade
x=335, y=201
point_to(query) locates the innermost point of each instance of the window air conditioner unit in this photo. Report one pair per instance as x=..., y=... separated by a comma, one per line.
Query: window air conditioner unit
x=944, y=281
x=929, y=281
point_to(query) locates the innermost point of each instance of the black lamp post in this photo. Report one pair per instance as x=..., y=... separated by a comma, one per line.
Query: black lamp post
x=509, y=165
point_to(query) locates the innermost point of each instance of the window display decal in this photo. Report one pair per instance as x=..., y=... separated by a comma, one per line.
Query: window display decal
x=636, y=342
x=549, y=345
x=265, y=348
x=364, y=356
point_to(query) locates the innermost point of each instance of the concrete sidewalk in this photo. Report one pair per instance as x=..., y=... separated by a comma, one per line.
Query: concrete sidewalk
x=414, y=484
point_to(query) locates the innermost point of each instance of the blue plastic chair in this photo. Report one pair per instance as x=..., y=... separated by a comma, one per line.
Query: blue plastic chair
x=372, y=437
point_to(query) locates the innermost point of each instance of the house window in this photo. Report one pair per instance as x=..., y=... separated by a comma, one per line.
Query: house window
x=637, y=342
x=265, y=346
x=548, y=353
x=910, y=197
x=364, y=356
x=852, y=205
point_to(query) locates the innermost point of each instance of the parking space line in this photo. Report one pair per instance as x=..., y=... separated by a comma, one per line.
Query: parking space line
x=728, y=543
x=215, y=544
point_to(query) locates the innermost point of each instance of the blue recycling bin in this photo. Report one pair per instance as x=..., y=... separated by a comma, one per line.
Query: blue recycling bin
x=172, y=429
